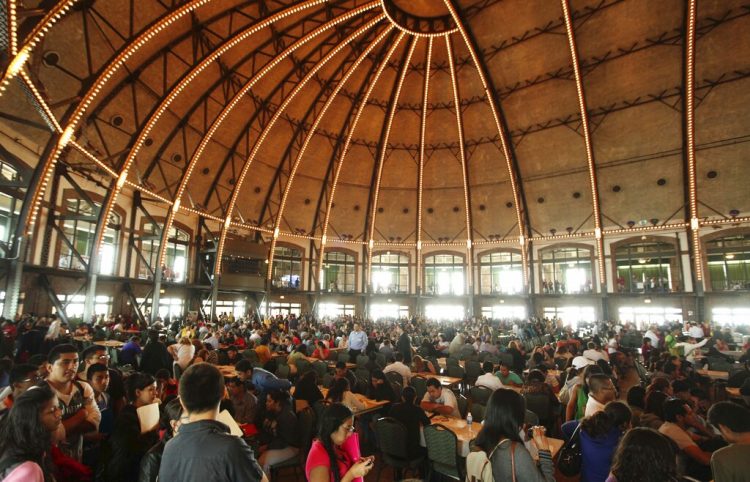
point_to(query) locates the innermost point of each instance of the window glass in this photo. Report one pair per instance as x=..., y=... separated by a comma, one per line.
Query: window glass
x=445, y=312
x=338, y=272
x=176, y=260
x=500, y=273
x=729, y=262
x=566, y=271
x=390, y=273
x=647, y=266
x=444, y=274
x=287, y=268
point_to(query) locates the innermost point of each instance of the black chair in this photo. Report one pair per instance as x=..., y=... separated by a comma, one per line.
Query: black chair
x=394, y=377
x=477, y=412
x=540, y=404
x=363, y=375
x=480, y=395
x=442, y=447
x=305, y=430
x=380, y=360
x=473, y=371
x=397, y=389
x=420, y=386
x=282, y=371
x=303, y=366
x=343, y=357
x=362, y=361
x=531, y=418
x=392, y=436
x=321, y=368
x=463, y=404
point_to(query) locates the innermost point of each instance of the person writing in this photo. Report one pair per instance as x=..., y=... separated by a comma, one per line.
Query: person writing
x=439, y=400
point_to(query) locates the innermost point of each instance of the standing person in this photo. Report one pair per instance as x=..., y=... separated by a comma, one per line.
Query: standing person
x=732, y=463
x=122, y=453
x=335, y=455
x=26, y=436
x=80, y=413
x=500, y=437
x=403, y=345
x=357, y=342
x=204, y=449
x=155, y=355
x=182, y=353
x=116, y=387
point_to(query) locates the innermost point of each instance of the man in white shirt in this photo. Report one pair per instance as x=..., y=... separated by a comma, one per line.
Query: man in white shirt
x=601, y=392
x=690, y=346
x=212, y=340
x=594, y=354
x=399, y=367
x=651, y=334
x=488, y=378
x=440, y=400
x=678, y=418
x=53, y=331
x=695, y=331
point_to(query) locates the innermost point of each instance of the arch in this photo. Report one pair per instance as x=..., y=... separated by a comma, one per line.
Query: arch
x=553, y=280
x=731, y=264
x=673, y=282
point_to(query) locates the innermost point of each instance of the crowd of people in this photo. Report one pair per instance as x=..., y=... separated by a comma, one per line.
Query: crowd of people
x=634, y=404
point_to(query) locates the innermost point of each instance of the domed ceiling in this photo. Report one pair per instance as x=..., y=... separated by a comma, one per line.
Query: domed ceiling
x=397, y=121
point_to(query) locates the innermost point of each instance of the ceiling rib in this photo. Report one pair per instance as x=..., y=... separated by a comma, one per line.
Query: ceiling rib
x=277, y=114
x=569, y=28
x=420, y=176
x=309, y=137
x=385, y=134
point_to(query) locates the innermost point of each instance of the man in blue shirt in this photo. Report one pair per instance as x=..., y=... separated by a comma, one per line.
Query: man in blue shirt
x=357, y=342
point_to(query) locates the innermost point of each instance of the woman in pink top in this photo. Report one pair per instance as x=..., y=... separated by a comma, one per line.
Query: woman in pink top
x=25, y=436
x=337, y=446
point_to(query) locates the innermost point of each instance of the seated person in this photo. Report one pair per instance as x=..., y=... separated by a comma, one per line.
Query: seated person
x=508, y=377
x=343, y=372
x=321, y=352
x=244, y=403
x=307, y=389
x=399, y=367
x=278, y=431
x=413, y=418
x=340, y=392
x=440, y=400
x=733, y=421
x=488, y=379
x=678, y=418
x=380, y=388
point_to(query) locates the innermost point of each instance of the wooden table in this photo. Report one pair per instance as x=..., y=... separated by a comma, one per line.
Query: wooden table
x=136, y=332
x=443, y=362
x=714, y=375
x=370, y=405
x=227, y=371
x=733, y=392
x=444, y=380
x=110, y=343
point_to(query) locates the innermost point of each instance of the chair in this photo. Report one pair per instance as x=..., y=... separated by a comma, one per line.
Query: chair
x=442, y=447
x=177, y=370
x=397, y=389
x=477, y=412
x=394, y=377
x=480, y=395
x=282, y=371
x=363, y=375
x=305, y=430
x=531, y=418
x=391, y=436
x=250, y=354
x=321, y=368
x=380, y=360
x=719, y=364
x=473, y=371
x=506, y=359
x=319, y=406
x=303, y=366
x=328, y=380
x=420, y=386
x=463, y=405
x=362, y=361
x=540, y=404
x=343, y=357
x=457, y=371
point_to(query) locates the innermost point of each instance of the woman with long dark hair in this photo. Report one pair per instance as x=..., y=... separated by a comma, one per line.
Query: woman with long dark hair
x=500, y=439
x=600, y=434
x=341, y=392
x=644, y=455
x=334, y=455
x=26, y=436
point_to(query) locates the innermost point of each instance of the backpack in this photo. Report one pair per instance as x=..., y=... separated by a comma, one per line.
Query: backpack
x=479, y=469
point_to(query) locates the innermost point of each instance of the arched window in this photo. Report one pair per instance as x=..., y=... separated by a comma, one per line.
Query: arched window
x=287, y=268
x=10, y=207
x=176, y=261
x=339, y=272
x=444, y=274
x=566, y=270
x=501, y=272
x=729, y=262
x=647, y=265
x=78, y=230
x=390, y=273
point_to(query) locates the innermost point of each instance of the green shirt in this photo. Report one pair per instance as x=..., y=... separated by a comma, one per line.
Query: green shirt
x=511, y=378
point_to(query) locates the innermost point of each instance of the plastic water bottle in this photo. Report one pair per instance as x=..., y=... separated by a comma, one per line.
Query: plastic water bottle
x=469, y=420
